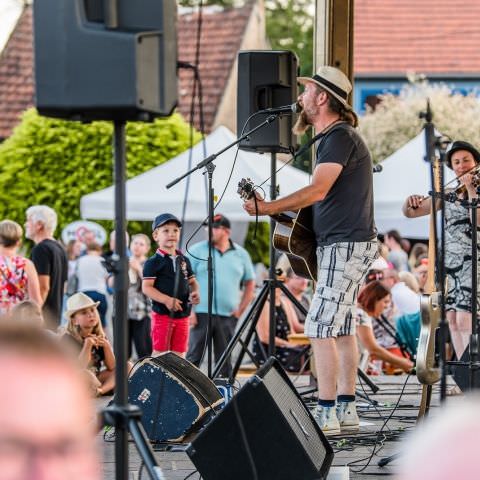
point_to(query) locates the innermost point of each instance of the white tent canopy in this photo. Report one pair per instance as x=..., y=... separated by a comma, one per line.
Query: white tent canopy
x=404, y=173
x=147, y=195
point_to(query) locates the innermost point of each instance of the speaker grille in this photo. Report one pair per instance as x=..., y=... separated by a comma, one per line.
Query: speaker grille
x=296, y=415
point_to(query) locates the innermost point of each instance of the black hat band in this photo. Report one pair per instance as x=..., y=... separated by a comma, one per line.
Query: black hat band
x=341, y=93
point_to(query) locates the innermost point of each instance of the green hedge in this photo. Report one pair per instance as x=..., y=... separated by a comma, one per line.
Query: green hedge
x=258, y=246
x=56, y=162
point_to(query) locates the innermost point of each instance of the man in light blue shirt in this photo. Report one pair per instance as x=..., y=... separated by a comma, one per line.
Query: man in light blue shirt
x=233, y=290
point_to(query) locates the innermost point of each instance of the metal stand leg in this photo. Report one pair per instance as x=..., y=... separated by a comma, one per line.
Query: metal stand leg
x=250, y=320
x=121, y=415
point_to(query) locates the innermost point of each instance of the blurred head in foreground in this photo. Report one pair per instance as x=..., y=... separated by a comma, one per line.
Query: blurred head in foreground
x=445, y=446
x=47, y=428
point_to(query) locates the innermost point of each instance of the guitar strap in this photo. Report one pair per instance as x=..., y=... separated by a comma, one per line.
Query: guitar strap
x=319, y=136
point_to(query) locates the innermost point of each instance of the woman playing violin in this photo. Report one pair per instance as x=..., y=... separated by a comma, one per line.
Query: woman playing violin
x=462, y=158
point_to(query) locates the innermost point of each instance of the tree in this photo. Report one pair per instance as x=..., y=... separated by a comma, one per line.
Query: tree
x=290, y=27
x=395, y=119
x=55, y=162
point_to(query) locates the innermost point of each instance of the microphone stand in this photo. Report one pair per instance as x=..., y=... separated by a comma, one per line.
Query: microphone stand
x=209, y=166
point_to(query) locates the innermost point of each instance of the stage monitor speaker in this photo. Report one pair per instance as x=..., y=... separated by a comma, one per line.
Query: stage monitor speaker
x=266, y=79
x=461, y=373
x=93, y=63
x=264, y=432
x=175, y=397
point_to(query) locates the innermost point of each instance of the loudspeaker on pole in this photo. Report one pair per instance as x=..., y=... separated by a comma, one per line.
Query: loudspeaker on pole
x=264, y=432
x=98, y=60
x=266, y=79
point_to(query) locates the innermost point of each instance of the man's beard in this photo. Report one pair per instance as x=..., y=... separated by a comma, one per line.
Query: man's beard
x=302, y=124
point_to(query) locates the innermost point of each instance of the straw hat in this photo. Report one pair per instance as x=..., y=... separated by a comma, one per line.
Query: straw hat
x=77, y=302
x=334, y=81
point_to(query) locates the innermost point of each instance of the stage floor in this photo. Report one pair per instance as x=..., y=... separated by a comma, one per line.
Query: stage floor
x=377, y=437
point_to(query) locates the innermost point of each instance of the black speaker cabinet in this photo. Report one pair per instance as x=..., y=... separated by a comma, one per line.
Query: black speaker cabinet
x=461, y=373
x=175, y=397
x=266, y=79
x=265, y=428
x=92, y=64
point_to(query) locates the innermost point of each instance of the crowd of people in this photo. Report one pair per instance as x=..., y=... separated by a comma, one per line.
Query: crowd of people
x=67, y=290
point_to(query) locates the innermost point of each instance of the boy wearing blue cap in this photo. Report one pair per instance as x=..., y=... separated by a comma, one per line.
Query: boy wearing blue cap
x=168, y=280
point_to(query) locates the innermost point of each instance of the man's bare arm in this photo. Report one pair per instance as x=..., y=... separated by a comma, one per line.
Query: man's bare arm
x=324, y=176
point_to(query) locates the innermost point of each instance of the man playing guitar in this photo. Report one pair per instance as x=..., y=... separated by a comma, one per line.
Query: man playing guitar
x=341, y=195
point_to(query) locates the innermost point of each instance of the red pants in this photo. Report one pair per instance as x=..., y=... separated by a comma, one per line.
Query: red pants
x=169, y=333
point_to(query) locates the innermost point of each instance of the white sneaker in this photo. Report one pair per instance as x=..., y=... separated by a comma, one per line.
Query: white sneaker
x=347, y=415
x=326, y=417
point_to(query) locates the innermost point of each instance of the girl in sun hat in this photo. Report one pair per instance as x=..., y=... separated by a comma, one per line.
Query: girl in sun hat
x=85, y=333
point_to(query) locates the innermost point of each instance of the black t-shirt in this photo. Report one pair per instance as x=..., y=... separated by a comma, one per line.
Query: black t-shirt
x=346, y=213
x=162, y=267
x=50, y=258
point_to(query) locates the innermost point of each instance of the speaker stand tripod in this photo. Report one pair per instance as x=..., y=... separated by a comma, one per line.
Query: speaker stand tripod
x=207, y=163
x=267, y=291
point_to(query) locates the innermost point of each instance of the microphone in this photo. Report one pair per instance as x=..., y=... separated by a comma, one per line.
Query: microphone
x=377, y=168
x=293, y=108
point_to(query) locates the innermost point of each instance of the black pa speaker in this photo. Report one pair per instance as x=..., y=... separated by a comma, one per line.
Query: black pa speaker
x=112, y=64
x=266, y=79
x=175, y=397
x=264, y=432
x=461, y=373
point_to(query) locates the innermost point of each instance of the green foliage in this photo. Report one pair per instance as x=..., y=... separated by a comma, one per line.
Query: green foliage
x=258, y=247
x=56, y=162
x=290, y=27
x=395, y=119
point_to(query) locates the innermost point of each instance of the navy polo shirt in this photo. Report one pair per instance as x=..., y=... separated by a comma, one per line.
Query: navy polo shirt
x=161, y=267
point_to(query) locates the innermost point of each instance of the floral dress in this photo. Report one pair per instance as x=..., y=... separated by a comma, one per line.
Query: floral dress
x=13, y=282
x=458, y=257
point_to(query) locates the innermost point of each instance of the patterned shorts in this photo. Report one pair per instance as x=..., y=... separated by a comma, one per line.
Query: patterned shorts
x=341, y=269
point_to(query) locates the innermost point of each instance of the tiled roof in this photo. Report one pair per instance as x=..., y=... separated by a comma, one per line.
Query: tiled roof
x=16, y=74
x=425, y=36
x=222, y=33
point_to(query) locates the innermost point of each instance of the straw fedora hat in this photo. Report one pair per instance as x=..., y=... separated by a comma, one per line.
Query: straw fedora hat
x=334, y=81
x=77, y=302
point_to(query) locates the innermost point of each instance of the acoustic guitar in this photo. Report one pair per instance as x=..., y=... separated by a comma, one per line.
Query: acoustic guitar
x=293, y=235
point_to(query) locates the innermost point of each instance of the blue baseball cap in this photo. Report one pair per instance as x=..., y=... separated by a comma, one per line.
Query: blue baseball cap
x=164, y=218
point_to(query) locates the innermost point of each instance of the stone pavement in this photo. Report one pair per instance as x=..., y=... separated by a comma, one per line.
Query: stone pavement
x=382, y=433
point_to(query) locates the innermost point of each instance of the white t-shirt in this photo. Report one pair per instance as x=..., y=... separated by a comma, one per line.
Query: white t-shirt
x=406, y=301
x=91, y=274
